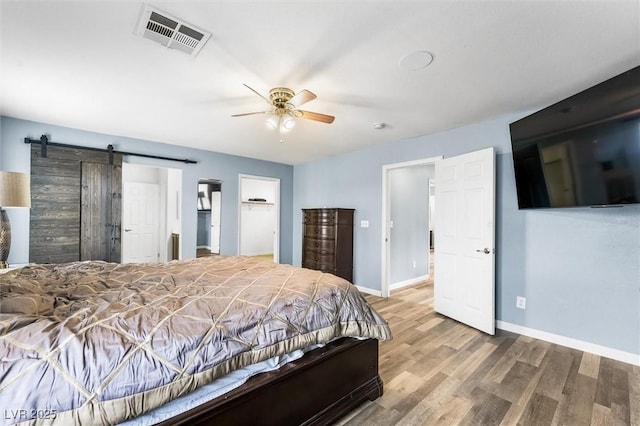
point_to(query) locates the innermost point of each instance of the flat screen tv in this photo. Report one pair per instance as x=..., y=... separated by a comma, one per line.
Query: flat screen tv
x=582, y=151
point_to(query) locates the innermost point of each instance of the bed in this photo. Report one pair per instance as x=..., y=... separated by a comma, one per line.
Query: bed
x=103, y=343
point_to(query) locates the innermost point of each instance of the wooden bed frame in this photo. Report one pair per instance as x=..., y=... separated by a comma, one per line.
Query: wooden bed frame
x=318, y=389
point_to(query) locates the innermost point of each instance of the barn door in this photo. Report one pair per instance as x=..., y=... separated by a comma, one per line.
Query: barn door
x=59, y=190
x=100, y=212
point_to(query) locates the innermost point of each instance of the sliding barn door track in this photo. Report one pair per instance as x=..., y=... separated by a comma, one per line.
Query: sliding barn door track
x=44, y=143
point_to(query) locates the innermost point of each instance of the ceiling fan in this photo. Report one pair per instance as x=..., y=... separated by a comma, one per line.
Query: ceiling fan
x=285, y=103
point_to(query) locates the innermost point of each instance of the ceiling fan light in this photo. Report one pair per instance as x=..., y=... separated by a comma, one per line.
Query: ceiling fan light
x=288, y=123
x=272, y=122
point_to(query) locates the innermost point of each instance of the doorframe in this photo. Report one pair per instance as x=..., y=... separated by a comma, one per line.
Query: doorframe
x=218, y=211
x=165, y=202
x=209, y=230
x=386, y=255
x=276, y=237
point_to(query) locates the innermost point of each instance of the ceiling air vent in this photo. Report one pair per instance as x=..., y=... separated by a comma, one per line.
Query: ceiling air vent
x=171, y=32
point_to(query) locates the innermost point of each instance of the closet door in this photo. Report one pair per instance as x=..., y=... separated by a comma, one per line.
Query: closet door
x=101, y=204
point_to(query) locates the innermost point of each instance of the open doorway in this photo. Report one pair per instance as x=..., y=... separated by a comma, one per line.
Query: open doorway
x=259, y=217
x=463, y=234
x=150, y=213
x=408, y=225
x=209, y=209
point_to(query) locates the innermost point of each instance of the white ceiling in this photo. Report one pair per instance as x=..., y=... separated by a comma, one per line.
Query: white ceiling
x=81, y=65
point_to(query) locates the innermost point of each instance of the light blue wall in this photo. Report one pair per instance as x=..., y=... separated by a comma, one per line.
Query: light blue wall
x=409, y=212
x=578, y=268
x=16, y=157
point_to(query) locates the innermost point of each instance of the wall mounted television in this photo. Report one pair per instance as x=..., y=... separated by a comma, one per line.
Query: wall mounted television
x=581, y=151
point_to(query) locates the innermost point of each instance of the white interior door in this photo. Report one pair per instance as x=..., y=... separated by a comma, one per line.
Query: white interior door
x=464, y=287
x=140, y=223
x=215, y=222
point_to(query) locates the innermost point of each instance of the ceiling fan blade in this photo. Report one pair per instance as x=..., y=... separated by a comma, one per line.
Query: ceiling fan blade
x=257, y=93
x=301, y=98
x=316, y=116
x=250, y=113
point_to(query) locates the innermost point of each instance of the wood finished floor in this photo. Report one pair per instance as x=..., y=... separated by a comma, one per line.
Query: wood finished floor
x=203, y=252
x=437, y=371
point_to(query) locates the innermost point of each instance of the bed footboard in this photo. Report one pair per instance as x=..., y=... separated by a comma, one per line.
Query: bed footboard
x=317, y=389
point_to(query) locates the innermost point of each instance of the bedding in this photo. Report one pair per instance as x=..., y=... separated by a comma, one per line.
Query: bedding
x=99, y=343
x=212, y=390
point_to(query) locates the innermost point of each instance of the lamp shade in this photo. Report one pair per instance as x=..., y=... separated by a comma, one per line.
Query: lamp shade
x=15, y=189
x=288, y=123
x=273, y=122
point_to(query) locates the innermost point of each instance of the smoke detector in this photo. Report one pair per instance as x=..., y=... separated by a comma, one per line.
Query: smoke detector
x=171, y=32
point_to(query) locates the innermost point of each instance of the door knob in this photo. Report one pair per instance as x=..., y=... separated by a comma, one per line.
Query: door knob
x=128, y=230
x=485, y=251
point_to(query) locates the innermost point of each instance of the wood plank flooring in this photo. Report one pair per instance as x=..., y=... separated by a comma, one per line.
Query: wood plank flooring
x=204, y=252
x=437, y=371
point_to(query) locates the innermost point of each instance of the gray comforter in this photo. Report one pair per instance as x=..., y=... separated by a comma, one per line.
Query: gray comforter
x=97, y=343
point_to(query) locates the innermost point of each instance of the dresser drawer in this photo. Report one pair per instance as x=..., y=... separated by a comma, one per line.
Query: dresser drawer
x=319, y=245
x=323, y=258
x=328, y=216
x=321, y=217
x=319, y=231
x=318, y=266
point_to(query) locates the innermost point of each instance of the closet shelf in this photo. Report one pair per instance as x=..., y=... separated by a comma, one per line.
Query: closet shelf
x=257, y=202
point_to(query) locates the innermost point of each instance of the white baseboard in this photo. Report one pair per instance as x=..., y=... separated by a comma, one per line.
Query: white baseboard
x=369, y=291
x=616, y=354
x=203, y=247
x=408, y=282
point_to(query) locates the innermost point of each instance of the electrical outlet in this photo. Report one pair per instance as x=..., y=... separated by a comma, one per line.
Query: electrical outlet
x=521, y=302
x=414, y=264
x=364, y=224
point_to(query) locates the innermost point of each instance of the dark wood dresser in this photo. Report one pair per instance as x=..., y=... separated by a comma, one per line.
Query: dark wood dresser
x=327, y=241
